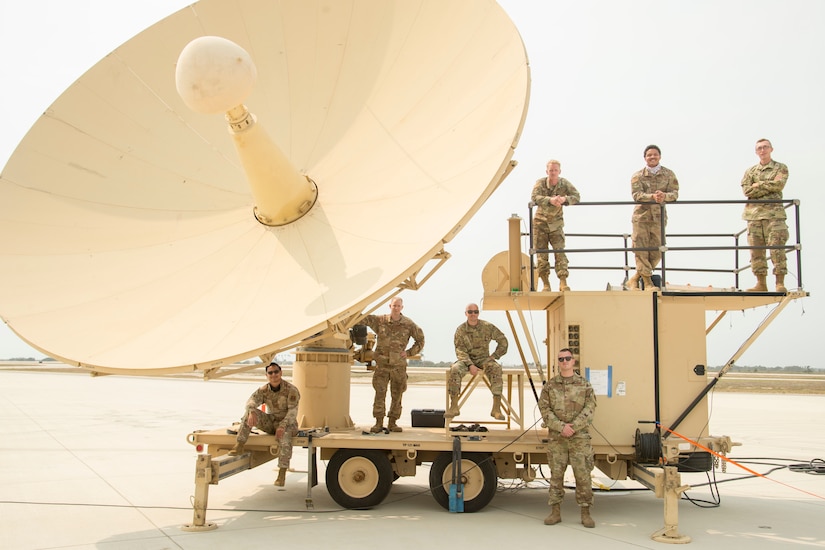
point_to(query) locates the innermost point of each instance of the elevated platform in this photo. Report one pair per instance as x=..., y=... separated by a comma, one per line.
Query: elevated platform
x=719, y=300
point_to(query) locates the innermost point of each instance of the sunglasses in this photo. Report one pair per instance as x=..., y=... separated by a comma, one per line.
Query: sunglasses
x=271, y=372
x=472, y=311
x=563, y=359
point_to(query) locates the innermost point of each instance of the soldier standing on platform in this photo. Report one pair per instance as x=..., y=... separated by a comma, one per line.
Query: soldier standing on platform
x=651, y=186
x=766, y=222
x=550, y=195
x=393, y=333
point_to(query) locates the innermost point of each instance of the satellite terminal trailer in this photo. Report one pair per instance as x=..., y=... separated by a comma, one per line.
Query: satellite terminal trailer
x=651, y=385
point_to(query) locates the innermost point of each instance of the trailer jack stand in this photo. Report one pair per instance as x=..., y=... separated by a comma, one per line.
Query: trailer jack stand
x=203, y=476
x=672, y=493
x=312, y=472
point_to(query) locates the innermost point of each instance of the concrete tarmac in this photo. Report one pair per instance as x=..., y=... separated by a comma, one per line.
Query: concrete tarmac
x=103, y=463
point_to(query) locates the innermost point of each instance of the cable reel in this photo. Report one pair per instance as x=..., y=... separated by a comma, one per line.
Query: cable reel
x=648, y=447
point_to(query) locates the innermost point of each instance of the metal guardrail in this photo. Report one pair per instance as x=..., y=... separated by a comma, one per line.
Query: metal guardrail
x=626, y=249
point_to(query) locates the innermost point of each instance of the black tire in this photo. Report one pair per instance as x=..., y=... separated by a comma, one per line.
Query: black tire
x=478, y=473
x=359, y=479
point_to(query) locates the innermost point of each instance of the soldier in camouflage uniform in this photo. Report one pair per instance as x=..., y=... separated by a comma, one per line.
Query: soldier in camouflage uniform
x=651, y=186
x=550, y=194
x=567, y=404
x=393, y=333
x=472, y=348
x=766, y=222
x=279, y=416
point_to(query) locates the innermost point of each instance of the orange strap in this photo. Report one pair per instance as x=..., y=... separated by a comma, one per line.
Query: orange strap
x=726, y=459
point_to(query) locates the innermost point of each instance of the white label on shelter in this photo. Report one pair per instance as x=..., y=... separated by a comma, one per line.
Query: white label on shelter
x=621, y=388
x=601, y=380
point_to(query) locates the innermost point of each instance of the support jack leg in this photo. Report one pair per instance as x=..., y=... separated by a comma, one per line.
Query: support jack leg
x=672, y=493
x=312, y=473
x=203, y=475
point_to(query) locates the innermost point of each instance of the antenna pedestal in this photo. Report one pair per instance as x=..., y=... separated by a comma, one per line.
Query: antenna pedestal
x=322, y=375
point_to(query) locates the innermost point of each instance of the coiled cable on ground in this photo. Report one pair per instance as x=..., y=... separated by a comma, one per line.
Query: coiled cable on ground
x=815, y=466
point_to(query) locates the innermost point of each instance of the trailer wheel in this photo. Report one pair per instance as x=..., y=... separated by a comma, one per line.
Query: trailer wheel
x=478, y=474
x=358, y=479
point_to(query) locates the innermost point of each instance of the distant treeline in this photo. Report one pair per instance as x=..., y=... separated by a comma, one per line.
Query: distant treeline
x=759, y=368
x=795, y=369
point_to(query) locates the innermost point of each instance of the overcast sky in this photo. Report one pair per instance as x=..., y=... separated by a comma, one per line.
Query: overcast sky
x=702, y=79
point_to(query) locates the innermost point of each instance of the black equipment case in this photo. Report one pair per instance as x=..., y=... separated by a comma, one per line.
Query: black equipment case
x=428, y=418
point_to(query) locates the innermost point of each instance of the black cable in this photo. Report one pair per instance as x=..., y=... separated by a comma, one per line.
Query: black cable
x=714, y=493
x=186, y=508
x=813, y=467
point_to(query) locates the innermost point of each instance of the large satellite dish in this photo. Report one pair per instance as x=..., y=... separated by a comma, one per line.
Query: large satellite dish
x=129, y=235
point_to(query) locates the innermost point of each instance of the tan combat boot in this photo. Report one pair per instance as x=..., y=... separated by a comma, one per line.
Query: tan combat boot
x=379, y=425
x=281, y=478
x=555, y=515
x=392, y=426
x=453, y=410
x=648, y=281
x=761, y=284
x=633, y=282
x=237, y=449
x=587, y=521
x=780, y=283
x=545, y=281
x=496, y=411
x=563, y=284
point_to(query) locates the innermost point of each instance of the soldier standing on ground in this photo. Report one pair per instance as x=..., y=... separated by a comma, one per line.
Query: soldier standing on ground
x=393, y=333
x=550, y=194
x=472, y=348
x=280, y=417
x=567, y=404
x=766, y=222
x=651, y=186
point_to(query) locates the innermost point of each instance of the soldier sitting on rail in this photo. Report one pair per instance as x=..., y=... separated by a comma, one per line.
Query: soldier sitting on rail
x=472, y=348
